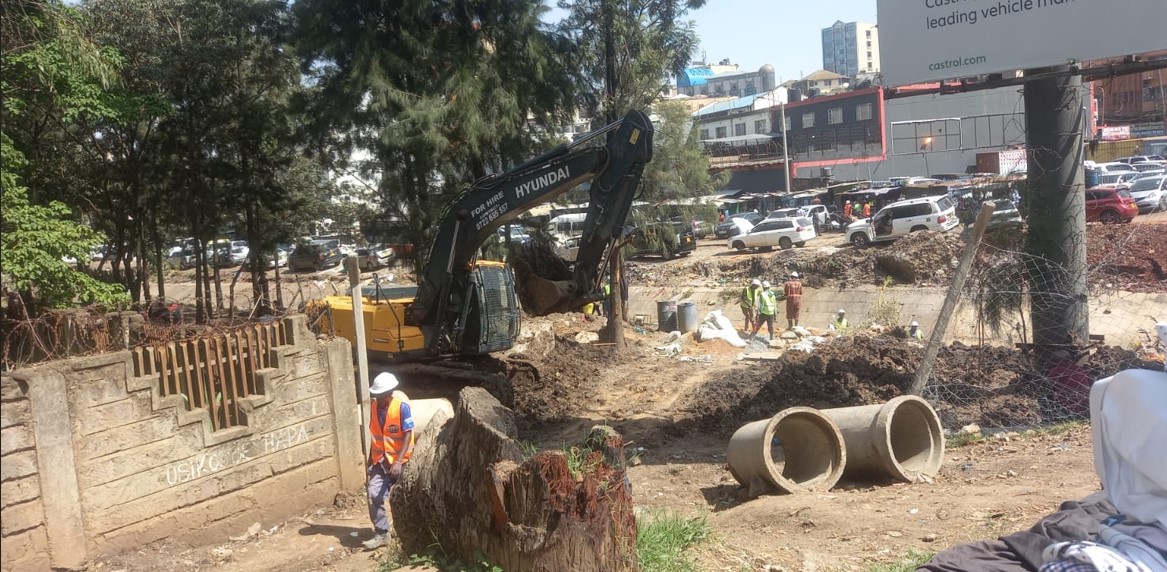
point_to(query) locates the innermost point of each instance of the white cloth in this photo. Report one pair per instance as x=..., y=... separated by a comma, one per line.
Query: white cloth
x=1128, y=415
x=1134, y=549
x=1101, y=557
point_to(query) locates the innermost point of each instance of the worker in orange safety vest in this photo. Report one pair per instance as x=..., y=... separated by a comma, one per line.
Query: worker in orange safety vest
x=390, y=446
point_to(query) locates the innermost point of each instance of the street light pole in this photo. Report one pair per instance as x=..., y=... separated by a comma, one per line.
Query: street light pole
x=785, y=153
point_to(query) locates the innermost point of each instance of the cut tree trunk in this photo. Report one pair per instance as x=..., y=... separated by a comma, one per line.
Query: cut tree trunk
x=468, y=489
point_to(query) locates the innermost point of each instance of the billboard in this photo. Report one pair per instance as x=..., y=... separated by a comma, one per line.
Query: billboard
x=932, y=40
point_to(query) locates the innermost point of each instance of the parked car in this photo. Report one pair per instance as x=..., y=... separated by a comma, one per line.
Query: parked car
x=376, y=256
x=518, y=233
x=819, y=212
x=315, y=255
x=1139, y=159
x=279, y=259
x=98, y=253
x=784, y=213
x=1150, y=193
x=1005, y=216
x=567, y=248
x=903, y=217
x=784, y=233
x=666, y=239
x=701, y=229
x=1114, y=167
x=1110, y=206
x=239, y=252
x=730, y=228
x=1149, y=166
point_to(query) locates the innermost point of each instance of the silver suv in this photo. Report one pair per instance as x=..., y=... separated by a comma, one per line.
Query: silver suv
x=903, y=217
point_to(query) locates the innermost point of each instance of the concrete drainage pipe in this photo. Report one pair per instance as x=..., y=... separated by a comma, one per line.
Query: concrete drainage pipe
x=424, y=410
x=797, y=450
x=901, y=439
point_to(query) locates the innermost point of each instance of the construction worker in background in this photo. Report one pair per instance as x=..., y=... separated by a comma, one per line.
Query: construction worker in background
x=767, y=310
x=914, y=331
x=749, y=302
x=840, y=322
x=793, y=289
x=606, y=307
x=847, y=209
x=867, y=209
x=390, y=446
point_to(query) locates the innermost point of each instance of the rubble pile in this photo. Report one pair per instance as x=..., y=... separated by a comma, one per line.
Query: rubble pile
x=551, y=386
x=990, y=386
x=1131, y=259
x=923, y=258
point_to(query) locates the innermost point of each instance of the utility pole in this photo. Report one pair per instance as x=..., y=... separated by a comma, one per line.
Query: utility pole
x=785, y=153
x=1056, y=241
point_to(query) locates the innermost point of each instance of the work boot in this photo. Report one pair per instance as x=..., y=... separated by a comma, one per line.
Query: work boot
x=378, y=540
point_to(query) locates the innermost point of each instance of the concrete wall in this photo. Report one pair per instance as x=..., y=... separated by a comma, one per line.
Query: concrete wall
x=1117, y=316
x=130, y=467
x=979, y=132
x=24, y=542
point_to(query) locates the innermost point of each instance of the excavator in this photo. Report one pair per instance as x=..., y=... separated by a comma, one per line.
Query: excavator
x=466, y=306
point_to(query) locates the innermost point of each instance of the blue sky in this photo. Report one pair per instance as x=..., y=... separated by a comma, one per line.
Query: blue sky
x=783, y=33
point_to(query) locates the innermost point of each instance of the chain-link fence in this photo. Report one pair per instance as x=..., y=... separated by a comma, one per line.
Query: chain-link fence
x=1030, y=364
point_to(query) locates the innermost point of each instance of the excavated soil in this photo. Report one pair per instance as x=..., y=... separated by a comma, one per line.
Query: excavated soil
x=990, y=386
x=1131, y=259
x=1119, y=257
x=550, y=387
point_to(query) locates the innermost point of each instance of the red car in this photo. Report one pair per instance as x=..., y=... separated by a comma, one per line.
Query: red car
x=1110, y=206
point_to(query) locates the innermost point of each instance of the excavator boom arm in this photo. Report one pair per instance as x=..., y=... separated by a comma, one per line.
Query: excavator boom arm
x=614, y=171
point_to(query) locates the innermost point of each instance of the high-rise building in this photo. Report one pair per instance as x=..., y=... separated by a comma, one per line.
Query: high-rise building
x=851, y=48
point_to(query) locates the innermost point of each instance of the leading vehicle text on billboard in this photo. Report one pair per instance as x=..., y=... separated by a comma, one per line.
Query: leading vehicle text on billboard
x=931, y=40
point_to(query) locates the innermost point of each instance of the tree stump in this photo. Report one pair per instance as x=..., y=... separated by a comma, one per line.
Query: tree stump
x=468, y=489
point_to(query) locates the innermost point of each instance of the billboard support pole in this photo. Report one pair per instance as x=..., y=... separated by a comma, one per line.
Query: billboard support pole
x=1056, y=241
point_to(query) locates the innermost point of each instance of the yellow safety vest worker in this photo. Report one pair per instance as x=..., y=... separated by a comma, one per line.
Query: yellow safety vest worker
x=767, y=303
x=389, y=439
x=840, y=324
x=749, y=297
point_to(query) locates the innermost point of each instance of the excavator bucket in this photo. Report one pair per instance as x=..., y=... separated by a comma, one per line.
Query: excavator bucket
x=550, y=296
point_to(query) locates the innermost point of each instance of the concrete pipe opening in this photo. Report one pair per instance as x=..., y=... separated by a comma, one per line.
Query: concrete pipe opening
x=797, y=450
x=901, y=439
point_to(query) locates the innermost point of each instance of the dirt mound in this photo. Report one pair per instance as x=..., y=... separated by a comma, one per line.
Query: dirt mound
x=1128, y=257
x=990, y=386
x=924, y=257
x=552, y=387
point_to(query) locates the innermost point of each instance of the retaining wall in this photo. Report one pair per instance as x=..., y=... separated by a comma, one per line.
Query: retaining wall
x=23, y=539
x=128, y=466
x=1118, y=315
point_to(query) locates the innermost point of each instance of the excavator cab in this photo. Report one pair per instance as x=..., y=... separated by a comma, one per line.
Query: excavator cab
x=493, y=316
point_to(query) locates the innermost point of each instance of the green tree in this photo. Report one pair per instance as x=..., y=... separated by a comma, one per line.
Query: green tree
x=627, y=49
x=52, y=76
x=437, y=93
x=679, y=168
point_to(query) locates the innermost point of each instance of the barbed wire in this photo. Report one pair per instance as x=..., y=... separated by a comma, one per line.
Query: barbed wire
x=1022, y=383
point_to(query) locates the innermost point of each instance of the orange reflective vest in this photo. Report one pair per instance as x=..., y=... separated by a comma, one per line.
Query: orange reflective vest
x=388, y=440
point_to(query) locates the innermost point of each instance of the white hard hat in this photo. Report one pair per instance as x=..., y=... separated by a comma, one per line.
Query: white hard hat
x=755, y=282
x=765, y=284
x=383, y=383
x=914, y=324
x=794, y=274
x=842, y=311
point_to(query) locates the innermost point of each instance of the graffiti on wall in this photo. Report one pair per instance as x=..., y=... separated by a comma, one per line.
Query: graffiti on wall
x=235, y=454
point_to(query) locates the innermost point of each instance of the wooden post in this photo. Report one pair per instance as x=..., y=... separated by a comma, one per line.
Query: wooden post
x=354, y=281
x=962, y=269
